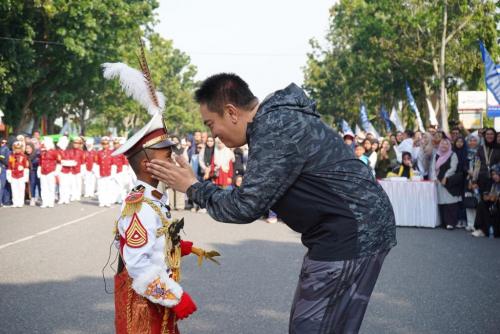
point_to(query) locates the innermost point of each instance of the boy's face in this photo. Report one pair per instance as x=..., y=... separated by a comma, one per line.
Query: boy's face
x=359, y=151
x=163, y=154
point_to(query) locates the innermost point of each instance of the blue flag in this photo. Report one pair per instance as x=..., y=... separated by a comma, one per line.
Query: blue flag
x=414, y=107
x=365, y=122
x=491, y=76
x=385, y=117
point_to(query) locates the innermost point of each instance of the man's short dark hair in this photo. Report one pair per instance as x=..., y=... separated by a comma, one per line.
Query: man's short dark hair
x=223, y=88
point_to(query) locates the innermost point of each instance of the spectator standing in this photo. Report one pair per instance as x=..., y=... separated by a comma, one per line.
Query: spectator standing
x=386, y=160
x=5, y=198
x=471, y=199
x=221, y=167
x=195, y=165
x=461, y=151
x=488, y=209
x=239, y=165
x=444, y=165
x=206, y=156
x=34, y=181
x=369, y=153
x=425, y=155
x=489, y=155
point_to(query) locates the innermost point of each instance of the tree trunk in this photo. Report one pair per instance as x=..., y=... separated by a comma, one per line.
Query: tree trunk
x=442, y=72
x=82, y=121
x=25, y=112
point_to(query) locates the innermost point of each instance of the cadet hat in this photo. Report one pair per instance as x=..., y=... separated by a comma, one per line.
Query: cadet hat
x=139, y=85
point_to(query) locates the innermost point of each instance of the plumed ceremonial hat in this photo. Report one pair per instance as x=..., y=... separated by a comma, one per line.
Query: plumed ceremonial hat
x=138, y=85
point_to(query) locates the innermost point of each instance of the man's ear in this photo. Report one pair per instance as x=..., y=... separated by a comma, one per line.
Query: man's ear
x=232, y=112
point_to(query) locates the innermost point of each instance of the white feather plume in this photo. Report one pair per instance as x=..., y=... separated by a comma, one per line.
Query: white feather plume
x=134, y=85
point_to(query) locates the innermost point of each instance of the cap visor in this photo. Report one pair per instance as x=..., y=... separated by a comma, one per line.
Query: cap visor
x=162, y=144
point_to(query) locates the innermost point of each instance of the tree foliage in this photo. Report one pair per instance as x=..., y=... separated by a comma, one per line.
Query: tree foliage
x=50, y=57
x=374, y=47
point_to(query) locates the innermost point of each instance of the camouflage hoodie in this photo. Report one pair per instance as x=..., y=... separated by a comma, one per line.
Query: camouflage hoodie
x=300, y=168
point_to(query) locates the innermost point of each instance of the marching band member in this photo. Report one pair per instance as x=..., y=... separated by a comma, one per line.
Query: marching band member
x=65, y=174
x=89, y=178
x=105, y=171
x=76, y=170
x=18, y=174
x=47, y=170
x=148, y=296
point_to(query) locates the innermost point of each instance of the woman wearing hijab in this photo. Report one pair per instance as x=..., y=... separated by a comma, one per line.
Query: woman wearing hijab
x=472, y=170
x=488, y=209
x=406, y=167
x=460, y=150
x=443, y=166
x=386, y=160
x=425, y=155
x=489, y=155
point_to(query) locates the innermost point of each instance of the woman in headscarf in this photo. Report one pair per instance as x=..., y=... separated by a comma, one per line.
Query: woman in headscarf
x=386, y=160
x=472, y=171
x=488, y=210
x=406, y=167
x=444, y=165
x=489, y=155
x=460, y=150
x=425, y=155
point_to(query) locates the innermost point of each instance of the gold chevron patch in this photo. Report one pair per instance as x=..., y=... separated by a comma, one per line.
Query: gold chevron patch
x=136, y=235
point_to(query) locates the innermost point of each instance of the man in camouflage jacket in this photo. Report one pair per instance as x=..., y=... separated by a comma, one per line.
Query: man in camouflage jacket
x=299, y=168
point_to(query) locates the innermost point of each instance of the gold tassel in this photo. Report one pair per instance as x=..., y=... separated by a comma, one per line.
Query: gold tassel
x=131, y=208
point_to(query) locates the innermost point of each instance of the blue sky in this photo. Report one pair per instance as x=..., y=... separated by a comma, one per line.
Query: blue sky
x=265, y=42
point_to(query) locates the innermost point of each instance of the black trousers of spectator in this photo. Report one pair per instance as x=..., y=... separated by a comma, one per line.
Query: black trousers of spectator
x=484, y=219
x=449, y=214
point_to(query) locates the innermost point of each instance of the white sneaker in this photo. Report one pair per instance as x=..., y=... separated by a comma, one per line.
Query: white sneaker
x=193, y=210
x=478, y=233
x=449, y=227
x=202, y=211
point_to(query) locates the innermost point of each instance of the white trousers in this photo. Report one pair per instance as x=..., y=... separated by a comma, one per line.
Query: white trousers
x=471, y=217
x=18, y=186
x=105, y=191
x=65, y=183
x=48, y=189
x=89, y=181
x=76, y=187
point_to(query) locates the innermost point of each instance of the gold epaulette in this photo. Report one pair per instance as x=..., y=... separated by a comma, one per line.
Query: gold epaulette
x=133, y=202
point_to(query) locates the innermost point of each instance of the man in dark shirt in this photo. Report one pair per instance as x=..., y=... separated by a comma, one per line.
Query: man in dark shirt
x=299, y=168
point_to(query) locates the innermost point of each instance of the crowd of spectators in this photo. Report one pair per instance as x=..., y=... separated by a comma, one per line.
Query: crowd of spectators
x=465, y=167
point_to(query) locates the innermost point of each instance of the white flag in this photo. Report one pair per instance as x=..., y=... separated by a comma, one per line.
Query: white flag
x=432, y=114
x=395, y=119
x=359, y=132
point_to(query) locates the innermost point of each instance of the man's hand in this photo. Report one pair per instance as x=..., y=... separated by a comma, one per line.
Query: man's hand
x=179, y=178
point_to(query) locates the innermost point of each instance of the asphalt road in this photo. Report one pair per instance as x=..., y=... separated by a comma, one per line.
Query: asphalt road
x=434, y=281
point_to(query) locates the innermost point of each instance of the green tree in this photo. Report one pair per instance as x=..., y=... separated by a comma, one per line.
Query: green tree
x=375, y=46
x=50, y=52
